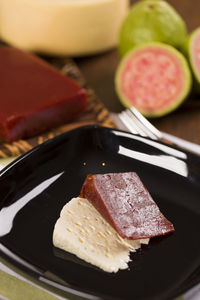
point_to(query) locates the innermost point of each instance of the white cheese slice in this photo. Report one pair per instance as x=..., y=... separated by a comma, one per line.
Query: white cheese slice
x=82, y=230
x=62, y=27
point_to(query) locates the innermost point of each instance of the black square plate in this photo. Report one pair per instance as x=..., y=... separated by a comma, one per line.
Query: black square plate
x=34, y=189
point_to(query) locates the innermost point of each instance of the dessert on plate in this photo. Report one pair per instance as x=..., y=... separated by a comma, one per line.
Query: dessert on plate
x=113, y=216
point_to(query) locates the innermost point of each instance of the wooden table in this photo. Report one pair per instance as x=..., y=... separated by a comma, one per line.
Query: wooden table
x=99, y=72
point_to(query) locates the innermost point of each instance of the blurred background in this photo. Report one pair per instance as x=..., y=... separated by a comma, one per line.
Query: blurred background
x=99, y=69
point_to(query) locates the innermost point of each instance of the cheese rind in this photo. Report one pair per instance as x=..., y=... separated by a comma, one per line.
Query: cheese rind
x=62, y=27
x=82, y=231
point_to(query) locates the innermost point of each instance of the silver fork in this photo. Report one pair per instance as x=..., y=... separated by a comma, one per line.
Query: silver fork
x=136, y=123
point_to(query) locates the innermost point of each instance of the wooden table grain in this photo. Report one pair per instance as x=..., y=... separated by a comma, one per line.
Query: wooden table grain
x=99, y=71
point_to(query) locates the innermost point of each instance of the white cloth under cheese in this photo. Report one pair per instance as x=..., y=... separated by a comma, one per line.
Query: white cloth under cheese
x=62, y=27
x=81, y=230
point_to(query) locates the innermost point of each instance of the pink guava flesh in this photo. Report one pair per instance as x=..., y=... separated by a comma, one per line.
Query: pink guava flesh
x=196, y=54
x=152, y=78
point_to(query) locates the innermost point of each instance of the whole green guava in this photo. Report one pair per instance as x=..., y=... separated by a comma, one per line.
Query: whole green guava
x=152, y=21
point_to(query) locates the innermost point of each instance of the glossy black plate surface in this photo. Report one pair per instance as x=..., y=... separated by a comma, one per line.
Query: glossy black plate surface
x=35, y=188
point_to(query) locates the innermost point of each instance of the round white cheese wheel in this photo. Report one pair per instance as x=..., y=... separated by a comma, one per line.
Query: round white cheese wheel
x=62, y=27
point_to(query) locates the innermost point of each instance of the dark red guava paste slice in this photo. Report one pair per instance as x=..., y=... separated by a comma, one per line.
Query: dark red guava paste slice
x=34, y=95
x=124, y=202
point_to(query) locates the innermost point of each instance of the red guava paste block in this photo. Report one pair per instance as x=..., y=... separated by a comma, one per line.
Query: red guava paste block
x=34, y=96
x=125, y=203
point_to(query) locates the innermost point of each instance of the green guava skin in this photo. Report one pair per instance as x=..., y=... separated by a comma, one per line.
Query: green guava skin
x=152, y=21
x=172, y=106
x=188, y=53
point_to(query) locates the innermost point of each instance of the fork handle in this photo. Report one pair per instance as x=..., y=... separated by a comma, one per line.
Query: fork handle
x=180, y=143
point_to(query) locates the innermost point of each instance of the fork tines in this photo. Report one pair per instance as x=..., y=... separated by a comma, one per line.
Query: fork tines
x=138, y=124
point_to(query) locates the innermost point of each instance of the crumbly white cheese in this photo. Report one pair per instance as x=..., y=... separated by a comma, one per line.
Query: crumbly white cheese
x=81, y=230
x=62, y=27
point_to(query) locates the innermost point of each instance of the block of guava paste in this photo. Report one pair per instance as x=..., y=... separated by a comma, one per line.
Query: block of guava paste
x=125, y=203
x=34, y=96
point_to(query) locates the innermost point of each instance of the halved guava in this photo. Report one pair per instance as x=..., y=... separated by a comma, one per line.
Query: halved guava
x=155, y=78
x=152, y=21
x=193, y=51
